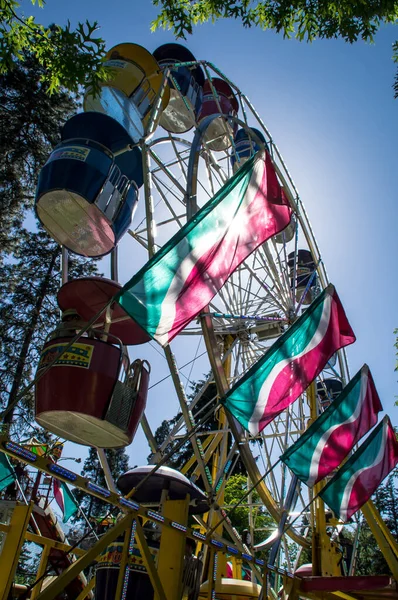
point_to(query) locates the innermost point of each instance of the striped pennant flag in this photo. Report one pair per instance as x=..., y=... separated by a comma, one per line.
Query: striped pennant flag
x=65, y=500
x=187, y=272
x=360, y=476
x=291, y=364
x=327, y=442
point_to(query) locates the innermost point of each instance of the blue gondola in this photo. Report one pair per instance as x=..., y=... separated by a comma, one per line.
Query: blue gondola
x=186, y=88
x=305, y=281
x=88, y=189
x=246, y=145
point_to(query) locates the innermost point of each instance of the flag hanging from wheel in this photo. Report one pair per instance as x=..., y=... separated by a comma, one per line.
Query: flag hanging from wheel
x=65, y=500
x=327, y=442
x=291, y=364
x=183, y=277
x=360, y=476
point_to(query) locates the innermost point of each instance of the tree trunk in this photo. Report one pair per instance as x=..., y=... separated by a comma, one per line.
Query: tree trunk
x=18, y=377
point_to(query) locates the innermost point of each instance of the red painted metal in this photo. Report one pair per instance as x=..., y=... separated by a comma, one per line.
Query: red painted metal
x=89, y=295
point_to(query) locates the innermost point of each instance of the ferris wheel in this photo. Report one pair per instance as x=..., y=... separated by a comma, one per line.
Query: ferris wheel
x=157, y=143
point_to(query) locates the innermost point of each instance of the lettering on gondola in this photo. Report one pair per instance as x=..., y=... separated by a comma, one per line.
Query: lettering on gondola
x=78, y=355
x=70, y=152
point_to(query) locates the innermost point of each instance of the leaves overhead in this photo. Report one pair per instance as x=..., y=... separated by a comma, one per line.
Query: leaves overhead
x=70, y=57
x=306, y=20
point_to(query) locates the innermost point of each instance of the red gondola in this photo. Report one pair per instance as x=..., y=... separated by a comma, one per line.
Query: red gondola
x=92, y=395
x=222, y=101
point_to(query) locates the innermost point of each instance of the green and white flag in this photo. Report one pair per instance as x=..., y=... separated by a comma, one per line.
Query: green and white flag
x=356, y=481
x=326, y=443
x=7, y=474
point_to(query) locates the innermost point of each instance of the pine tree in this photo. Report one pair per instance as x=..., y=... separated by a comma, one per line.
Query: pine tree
x=118, y=460
x=28, y=312
x=30, y=121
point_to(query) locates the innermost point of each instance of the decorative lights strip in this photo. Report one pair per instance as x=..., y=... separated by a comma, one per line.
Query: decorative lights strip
x=199, y=535
x=247, y=556
x=213, y=593
x=155, y=515
x=62, y=471
x=178, y=526
x=217, y=543
x=98, y=489
x=129, y=503
x=20, y=451
x=232, y=550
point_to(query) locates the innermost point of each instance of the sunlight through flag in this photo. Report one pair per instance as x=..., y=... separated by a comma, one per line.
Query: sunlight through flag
x=183, y=277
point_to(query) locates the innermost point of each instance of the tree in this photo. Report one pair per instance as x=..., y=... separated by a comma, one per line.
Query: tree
x=69, y=57
x=118, y=460
x=30, y=122
x=181, y=456
x=307, y=21
x=370, y=560
x=240, y=517
x=28, y=312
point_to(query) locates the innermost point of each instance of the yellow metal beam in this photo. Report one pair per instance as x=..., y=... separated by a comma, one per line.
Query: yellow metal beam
x=172, y=549
x=40, y=572
x=12, y=546
x=192, y=460
x=386, y=532
x=209, y=452
x=325, y=555
x=73, y=571
x=44, y=541
x=83, y=594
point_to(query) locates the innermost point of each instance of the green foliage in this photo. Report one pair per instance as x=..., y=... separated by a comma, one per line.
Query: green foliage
x=306, y=21
x=27, y=564
x=70, y=57
x=263, y=523
x=370, y=560
x=30, y=122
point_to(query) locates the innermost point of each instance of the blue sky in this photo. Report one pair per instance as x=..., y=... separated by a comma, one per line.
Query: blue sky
x=330, y=109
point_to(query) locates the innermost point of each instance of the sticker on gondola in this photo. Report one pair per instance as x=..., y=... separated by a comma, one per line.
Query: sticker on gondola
x=78, y=355
x=71, y=153
x=116, y=64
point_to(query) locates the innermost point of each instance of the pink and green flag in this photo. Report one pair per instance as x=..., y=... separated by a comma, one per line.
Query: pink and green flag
x=187, y=272
x=65, y=500
x=291, y=364
x=327, y=442
x=360, y=476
